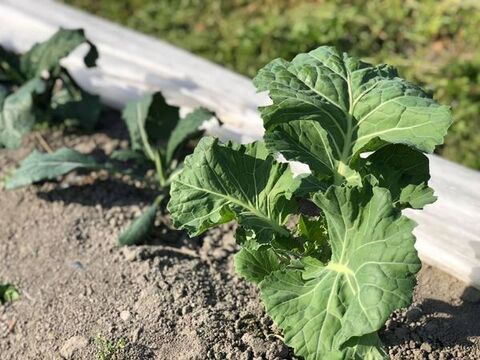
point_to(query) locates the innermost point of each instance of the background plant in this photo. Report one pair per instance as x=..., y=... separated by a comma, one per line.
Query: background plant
x=432, y=42
x=159, y=139
x=329, y=280
x=35, y=87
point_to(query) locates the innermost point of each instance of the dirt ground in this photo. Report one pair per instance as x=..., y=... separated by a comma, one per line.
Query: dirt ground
x=176, y=298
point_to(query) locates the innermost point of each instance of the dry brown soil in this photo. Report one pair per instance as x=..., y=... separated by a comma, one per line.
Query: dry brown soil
x=176, y=298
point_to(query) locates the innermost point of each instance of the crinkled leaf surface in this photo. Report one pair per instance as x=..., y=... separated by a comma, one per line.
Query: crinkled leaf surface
x=37, y=166
x=315, y=237
x=254, y=262
x=404, y=172
x=149, y=119
x=46, y=56
x=329, y=107
x=186, y=128
x=222, y=182
x=370, y=274
x=17, y=116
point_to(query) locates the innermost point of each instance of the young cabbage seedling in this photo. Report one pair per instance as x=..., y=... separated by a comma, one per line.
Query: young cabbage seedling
x=8, y=293
x=331, y=281
x=159, y=138
x=35, y=87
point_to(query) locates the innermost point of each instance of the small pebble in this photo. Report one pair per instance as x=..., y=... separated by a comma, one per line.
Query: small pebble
x=125, y=315
x=426, y=347
x=72, y=345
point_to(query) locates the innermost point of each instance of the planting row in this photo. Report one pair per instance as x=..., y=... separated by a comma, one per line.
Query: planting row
x=330, y=250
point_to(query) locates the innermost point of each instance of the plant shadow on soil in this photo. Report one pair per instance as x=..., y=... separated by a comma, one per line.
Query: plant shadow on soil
x=442, y=321
x=107, y=193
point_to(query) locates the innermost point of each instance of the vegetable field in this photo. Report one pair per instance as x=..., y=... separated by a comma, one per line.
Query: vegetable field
x=139, y=234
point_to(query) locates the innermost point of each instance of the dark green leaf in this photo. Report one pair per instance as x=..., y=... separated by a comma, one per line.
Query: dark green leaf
x=141, y=227
x=46, y=56
x=404, y=172
x=74, y=105
x=10, y=68
x=309, y=184
x=3, y=95
x=17, y=115
x=38, y=166
x=315, y=236
x=149, y=120
x=187, y=128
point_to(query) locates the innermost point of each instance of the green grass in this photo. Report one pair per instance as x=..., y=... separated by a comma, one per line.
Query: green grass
x=432, y=42
x=108, y=349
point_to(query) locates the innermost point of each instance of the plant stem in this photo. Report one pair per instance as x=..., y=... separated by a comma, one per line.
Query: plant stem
x=143, y=135
x=153, y=155
x=159, y=169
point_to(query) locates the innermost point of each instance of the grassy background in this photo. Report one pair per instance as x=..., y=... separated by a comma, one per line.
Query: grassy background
x=432, y=42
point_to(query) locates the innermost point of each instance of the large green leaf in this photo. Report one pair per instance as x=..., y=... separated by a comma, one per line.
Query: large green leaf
x=224, y=182
x=46, y=56
x=149, y=120
x=37, y=166
x=17, y=116
x=186, y=128
x=370, y=274
x=328, y=108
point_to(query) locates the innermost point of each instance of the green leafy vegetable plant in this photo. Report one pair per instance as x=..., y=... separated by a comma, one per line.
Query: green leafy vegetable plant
x=8, y=293
x=35, y=87
x=329, y=278
x=159, y=138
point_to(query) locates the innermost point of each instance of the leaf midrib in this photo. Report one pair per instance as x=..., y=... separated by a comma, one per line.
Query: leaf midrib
x=230, y=199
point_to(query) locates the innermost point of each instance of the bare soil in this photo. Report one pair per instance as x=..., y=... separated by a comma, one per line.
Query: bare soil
x=175, y=298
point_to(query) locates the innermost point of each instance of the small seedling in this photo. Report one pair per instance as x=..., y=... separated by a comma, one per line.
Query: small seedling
x=331, y=281
x=35, y=87
x=108, y=349
x=159, y=139
x=8, y=293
